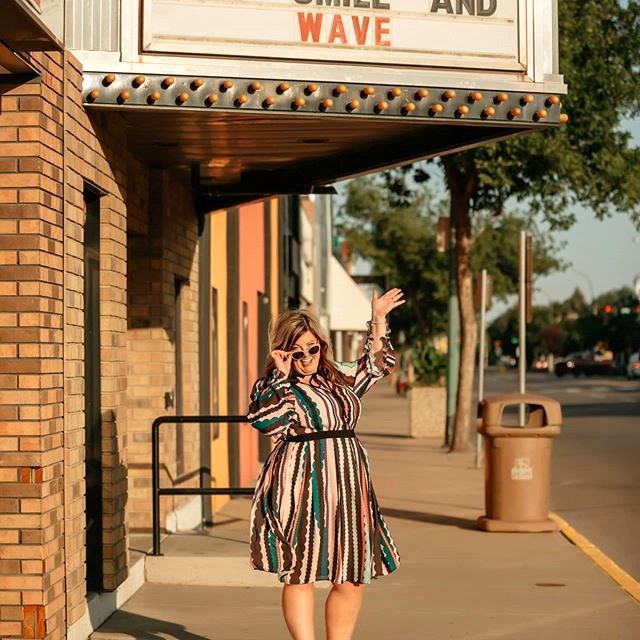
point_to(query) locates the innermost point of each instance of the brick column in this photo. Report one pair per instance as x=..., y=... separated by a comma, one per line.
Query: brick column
x=32, y=599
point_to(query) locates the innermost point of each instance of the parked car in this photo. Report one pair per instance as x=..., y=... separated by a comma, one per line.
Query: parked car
x=586, y=362
x=540, y=364
x=633, y=366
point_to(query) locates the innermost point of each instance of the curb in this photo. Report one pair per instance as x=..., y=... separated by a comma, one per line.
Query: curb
x=625, y=581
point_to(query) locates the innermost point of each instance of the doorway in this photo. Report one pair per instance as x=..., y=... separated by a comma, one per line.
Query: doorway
x=92, y=407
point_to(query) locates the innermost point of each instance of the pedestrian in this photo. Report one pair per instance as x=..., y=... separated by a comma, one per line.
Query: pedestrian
x=314, y=513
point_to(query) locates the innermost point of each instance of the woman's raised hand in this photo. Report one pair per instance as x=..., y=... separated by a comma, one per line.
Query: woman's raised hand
x=282, y=360
x=382, y=305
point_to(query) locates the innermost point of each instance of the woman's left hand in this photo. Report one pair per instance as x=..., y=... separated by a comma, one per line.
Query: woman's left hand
x=382, y=305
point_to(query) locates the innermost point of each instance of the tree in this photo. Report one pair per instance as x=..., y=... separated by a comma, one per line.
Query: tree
x=398, y=236
x=590, y=161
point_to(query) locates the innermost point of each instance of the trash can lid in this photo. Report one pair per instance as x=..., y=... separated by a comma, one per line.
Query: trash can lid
x=543, y=411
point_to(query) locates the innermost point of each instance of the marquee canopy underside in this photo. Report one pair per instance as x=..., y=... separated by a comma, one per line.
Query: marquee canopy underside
x=235, y=157
x=243, y=138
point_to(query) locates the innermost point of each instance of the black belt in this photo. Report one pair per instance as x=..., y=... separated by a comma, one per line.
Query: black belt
x=321, y=435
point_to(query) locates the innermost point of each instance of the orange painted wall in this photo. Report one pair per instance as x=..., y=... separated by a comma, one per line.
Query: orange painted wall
x=251, y=281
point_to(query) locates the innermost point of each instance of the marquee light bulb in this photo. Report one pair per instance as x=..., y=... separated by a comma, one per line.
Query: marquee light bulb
x=167, y=82
x=381, y=106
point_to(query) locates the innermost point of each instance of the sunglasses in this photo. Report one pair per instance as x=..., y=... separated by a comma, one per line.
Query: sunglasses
x=312, y=351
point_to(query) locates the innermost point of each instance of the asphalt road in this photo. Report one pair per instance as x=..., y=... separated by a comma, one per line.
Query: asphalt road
x=596, y=459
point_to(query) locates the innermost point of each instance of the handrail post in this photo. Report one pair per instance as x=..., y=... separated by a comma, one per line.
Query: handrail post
x=155, y=485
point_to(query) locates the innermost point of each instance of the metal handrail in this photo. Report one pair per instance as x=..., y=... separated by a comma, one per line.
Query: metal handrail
x=199, y=491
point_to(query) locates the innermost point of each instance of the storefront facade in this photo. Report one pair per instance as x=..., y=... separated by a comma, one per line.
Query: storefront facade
x=152, y=155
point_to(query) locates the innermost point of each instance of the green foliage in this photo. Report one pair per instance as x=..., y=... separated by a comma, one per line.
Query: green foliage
x=398, y=236
x=400, y=242
x=430, y=366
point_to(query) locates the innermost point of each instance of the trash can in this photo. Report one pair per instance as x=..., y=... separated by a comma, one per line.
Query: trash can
x=518, y=462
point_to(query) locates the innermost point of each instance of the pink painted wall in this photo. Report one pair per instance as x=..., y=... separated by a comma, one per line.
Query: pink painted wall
x=251, y=281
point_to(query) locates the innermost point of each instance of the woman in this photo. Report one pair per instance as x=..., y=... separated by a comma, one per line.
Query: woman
x=314, y=513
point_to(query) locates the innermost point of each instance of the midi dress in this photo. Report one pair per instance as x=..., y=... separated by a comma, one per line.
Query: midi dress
x=314, y=513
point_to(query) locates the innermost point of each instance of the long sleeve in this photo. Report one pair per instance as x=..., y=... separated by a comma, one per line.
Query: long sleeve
x=272, y=406
x=363, y=373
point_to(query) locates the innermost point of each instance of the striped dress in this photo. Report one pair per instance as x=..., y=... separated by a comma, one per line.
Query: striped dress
x=314, y=513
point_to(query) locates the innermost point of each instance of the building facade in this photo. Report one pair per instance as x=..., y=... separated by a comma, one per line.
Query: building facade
x=153, y=159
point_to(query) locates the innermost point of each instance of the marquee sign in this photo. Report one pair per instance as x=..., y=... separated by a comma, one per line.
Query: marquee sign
x=476, y=34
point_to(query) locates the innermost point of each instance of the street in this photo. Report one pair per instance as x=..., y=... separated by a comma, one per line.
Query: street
x=596, y=459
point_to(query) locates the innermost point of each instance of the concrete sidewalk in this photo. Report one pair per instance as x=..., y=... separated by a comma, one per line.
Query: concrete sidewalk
x=454, y=581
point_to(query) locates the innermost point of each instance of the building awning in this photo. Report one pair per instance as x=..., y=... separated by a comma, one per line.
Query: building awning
x=349, y=307
x=248, y=138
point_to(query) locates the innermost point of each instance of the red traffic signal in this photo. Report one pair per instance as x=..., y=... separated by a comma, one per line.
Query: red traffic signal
x=607, y=308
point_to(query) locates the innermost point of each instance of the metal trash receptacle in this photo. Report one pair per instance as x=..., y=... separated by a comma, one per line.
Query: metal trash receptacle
x=518, y=463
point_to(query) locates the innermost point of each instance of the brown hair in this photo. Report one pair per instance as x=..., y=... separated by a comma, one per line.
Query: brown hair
x=285, y=331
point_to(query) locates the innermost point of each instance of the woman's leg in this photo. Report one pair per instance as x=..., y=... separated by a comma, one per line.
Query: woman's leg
x=297, y=605
x=341, y=610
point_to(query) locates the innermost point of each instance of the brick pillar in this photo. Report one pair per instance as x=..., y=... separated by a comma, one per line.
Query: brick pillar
x=32, y=599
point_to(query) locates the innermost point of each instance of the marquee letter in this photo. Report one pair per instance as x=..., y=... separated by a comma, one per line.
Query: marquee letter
x=337, y=31
x=310, y=23
x=436, y=5
x=360, y=29
x=469, y=5
x=382, y=29
x=490, y=10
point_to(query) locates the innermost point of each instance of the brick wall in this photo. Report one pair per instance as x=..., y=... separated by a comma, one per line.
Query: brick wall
x=42, y=520
x=163, y=246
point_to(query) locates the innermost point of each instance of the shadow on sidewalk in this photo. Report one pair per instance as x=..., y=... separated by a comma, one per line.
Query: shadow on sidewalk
x=145, y=628
x=430, y=518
